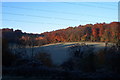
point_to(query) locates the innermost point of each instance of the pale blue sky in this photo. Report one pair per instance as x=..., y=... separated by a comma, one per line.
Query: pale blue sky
x=38, y=17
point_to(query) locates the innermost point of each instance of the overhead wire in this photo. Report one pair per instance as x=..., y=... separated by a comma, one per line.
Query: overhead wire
x=60, y=12
x=31, y=22
x=52, y=12
x=44, y=17
x=88, y=5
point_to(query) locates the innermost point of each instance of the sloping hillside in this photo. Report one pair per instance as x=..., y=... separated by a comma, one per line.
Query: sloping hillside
x=60, y=52
x=99, y=32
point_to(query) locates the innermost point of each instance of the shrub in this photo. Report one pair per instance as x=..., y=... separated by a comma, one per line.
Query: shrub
x=112, y=59
x=82, y=58
x=7, y=56
x=45, y=59
x=100, y=58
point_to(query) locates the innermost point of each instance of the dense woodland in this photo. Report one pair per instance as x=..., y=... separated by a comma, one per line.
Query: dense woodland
x=89, y=32
x=99, y=32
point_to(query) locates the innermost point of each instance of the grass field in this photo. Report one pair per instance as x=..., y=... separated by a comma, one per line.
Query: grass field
x=59, y=51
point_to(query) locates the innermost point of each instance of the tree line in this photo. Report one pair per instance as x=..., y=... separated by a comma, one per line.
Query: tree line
x=99, y=32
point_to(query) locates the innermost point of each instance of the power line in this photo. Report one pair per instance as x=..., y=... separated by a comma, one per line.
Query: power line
x=60, y=12
x=45, y=17
x=39, y=16
x=87, y=5
x=34, y=22
x=31, y=22
x=100, y=3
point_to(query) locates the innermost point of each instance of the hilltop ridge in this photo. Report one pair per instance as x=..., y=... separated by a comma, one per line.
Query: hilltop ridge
x=99, y=32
